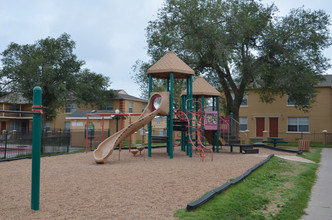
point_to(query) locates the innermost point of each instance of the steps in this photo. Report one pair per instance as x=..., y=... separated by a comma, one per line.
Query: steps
x=230, y=139
x=179, y=125
x=159, y=139
x=248, y=149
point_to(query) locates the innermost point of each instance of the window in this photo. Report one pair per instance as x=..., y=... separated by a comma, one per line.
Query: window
x=290, y=102
x=143, y=107
x=298, y=124
x=110, y=106
x=67, y=126
x=70, y=108
x=243, y=123
x=244, y=102
x=47, y=126
x=303, y=99
x=130, y=107
x=14, y=107
x=14, y=125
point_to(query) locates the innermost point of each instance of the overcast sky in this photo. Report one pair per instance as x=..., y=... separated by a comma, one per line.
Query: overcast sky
x=109, y=34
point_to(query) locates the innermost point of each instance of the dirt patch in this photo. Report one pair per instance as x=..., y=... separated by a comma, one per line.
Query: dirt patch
x=74, y=187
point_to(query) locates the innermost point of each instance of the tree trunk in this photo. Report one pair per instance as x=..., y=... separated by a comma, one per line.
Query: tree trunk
x=236, y=122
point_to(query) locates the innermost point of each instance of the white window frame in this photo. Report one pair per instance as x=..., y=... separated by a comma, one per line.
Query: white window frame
x=67, y=126
x=131, y=107
x=70, y=108
x=143, y=107
x=290, y=103
x=298, y=124
x=243, y=121
x=47, y=126
x=110, y=106
x=244, y=102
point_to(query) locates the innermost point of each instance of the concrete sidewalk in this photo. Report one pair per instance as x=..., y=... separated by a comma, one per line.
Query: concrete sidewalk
x=320, y=204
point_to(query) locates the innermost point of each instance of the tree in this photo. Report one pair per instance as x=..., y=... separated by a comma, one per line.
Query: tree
x=51, y=64
x=240, y=44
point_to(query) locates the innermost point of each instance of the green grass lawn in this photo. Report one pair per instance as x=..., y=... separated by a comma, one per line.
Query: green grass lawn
x=280, y=189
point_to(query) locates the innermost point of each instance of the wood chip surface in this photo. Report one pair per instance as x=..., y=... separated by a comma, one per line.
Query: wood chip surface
x=75, y=187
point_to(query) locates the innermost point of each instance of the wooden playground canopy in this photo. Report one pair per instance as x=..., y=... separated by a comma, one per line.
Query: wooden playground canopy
x=170, y=63
x=202, y=88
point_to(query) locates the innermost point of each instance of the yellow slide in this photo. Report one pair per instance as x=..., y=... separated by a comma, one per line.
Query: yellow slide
x=158, y=105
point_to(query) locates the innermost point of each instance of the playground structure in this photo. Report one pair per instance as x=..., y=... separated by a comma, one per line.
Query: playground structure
x=171, y=67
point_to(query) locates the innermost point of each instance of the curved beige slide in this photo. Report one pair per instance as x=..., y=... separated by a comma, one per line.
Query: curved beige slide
x=158, y=105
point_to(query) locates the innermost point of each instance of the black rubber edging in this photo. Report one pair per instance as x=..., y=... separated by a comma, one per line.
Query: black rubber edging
x=194, y=205
x=277, y=149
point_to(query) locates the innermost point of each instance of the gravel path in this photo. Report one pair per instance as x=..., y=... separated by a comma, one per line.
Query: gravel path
x=74, y=187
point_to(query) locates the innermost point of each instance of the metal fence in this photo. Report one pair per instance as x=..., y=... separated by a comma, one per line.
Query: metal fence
x=15, y=144
x=322, y=139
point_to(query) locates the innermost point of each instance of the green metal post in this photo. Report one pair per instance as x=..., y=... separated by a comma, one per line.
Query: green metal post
x=213, y=132
x=218, y=129
x=203, y=127
x=150, y=124
x=168, y=120
x=170, y=137
x=190, y=102
x=36, y=146
x=231, y=119
x=196, y=110
x=183, y=133
x=187, y=109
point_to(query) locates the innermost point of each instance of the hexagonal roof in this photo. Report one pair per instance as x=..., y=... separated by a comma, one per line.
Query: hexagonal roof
x=202, y=87
x=170, y=63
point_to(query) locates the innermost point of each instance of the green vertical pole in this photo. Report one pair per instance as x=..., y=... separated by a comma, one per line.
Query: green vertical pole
x=231, y=121
x=183, y=133
x=203, y=127
x=36, y=146
x=170, y=137
x=218, y=129
x=196, y=110
x=187, y=109
x=190, y=102
x=213, y=132
x=150, y=124
x=168, y=119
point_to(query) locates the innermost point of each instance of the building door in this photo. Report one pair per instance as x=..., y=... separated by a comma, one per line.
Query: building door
x=260, y=127
x=273, y=127
x=3, y=125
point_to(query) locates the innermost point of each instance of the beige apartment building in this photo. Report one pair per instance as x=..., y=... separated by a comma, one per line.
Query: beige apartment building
x=23, y=122
x=282, y=119
x=15, y=121
x=122, y=103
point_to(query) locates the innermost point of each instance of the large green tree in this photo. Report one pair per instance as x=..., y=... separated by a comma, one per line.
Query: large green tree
x=51, y=64
x=238, y=44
